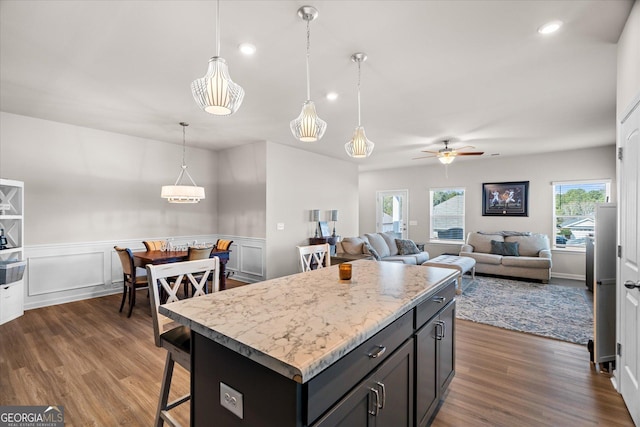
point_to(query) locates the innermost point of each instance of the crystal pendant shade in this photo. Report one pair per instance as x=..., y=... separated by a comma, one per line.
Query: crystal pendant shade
x=308, y=127
x=359, y=146
x=216, y=93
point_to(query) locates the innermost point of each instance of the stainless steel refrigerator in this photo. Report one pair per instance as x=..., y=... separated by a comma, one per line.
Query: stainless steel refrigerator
x=601, y=278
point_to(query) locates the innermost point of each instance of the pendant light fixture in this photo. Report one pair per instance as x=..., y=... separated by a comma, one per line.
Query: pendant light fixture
x=178, y=193
x=308, y=127
x=359, y=146
x=216, y=93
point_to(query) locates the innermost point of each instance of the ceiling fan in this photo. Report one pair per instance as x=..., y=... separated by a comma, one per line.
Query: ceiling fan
x=447, y=154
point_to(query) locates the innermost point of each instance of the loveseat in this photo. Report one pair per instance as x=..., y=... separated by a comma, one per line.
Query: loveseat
x=381, y=246
x=508, y=253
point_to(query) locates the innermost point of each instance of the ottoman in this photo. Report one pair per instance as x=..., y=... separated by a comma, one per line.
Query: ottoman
x=461, y=263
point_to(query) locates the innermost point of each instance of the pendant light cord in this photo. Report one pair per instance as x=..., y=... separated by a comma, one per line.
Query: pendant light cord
x=218, y=28
x=183, y=144
x=359, y=93
x=308, y=46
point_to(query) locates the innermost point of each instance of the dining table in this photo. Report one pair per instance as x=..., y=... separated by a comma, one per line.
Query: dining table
x=142, y=258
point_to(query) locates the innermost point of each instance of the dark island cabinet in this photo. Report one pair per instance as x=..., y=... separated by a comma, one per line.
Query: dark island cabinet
x=384, y=398
x=435, y=362
x=395, y=378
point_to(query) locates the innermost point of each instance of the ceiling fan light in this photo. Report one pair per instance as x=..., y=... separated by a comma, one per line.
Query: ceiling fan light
x=216, y=93
x=446, y=158
x=308, y=127
x=359, y=146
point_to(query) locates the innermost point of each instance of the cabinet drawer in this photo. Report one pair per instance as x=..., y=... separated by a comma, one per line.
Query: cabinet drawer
x=329, y=386
x=11, y=299
x=435, y=303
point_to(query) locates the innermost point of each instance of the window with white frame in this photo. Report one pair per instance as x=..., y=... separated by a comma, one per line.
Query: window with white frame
x=574, y=205
x=447, y=214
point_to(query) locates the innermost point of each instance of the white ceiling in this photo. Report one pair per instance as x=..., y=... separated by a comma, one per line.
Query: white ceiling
x=474, y=71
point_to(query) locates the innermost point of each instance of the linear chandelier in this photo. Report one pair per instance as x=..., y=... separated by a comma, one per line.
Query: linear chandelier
x=359, y=146
x=216, y=93
x=308, y=127
x=179, y=193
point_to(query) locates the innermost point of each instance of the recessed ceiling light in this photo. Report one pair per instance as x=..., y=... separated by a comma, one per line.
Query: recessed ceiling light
x=550, y=27
x=332, y=96
x=247, y=48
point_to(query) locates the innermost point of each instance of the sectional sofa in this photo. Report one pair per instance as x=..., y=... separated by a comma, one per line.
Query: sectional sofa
x=381, y=246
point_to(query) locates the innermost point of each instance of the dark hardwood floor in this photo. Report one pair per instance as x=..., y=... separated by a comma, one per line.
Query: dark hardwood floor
x=105, y=370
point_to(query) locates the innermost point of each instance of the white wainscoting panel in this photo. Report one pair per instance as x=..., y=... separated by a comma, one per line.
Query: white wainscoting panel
x=50, y=274
x=61, y=273
x=247, y=259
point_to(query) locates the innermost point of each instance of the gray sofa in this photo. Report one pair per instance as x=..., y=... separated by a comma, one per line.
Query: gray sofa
x=382, y=244
x=514, y=254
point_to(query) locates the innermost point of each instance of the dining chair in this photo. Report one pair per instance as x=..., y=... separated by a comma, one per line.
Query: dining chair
x=153, y=245
x=314, y=256
x=132, y=281
x=223, y=245
x=199, y=253
x=175, y=339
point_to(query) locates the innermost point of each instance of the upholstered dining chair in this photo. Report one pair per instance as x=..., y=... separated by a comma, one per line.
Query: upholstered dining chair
x=153, y=245
x=314, y=256
x=199, y=253
x=223, y=245
x=132, y=281
x=175, y=339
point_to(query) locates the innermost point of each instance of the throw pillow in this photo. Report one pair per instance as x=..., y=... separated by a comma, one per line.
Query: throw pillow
x=378, y=243
x=504, y=248
x=407, y=247
x=511, y=248
x=368, y=249
x=353, y=245
x=390, y=238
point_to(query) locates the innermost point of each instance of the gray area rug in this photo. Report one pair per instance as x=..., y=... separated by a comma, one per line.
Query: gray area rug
x=553, y=311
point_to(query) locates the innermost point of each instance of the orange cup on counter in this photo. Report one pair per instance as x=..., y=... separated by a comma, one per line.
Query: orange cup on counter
x=345, y=271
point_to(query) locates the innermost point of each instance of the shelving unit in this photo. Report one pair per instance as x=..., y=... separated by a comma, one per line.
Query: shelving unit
x=12, y=221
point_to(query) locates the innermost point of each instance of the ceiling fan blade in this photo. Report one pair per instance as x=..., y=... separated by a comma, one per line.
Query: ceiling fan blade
x=462, y=148
x=472, y=153
x=429, y=151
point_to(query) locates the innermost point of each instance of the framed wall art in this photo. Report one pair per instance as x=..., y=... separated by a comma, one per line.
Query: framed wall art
x=505, y=198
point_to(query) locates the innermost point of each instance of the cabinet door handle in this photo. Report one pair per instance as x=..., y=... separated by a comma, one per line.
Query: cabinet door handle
x=384, y=394
x=378, y=352
x=439, y=299
x=376, y=404
x=439, y=329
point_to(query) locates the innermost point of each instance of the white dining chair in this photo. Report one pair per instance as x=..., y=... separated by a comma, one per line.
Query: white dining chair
x=176, y=339
x=314, y=256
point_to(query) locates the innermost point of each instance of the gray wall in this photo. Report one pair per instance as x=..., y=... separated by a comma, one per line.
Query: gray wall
x=242, y=190
x=539, y=170
x=85, y=185
x=297, y=182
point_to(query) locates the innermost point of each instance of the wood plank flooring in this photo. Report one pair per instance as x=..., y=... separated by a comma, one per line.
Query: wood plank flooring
x=105, y=370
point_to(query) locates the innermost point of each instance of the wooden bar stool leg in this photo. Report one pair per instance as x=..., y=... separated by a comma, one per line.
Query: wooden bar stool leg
x=164, y=389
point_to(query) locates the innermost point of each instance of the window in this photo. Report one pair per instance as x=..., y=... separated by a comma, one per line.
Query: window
x=573, y=210
x=447, y=214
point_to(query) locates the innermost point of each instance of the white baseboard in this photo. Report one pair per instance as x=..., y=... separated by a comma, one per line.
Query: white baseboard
x=568, y=276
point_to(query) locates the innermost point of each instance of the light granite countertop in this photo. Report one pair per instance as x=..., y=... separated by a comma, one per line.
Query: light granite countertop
x=299, y=325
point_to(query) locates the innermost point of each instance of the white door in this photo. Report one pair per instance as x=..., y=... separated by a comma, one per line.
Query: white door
x=629, y=302
x=392, y=212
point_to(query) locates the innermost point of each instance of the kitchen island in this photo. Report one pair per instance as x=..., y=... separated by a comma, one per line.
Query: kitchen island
x=310, y=349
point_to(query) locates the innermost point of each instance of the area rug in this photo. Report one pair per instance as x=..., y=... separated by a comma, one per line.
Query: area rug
x=554, y=311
